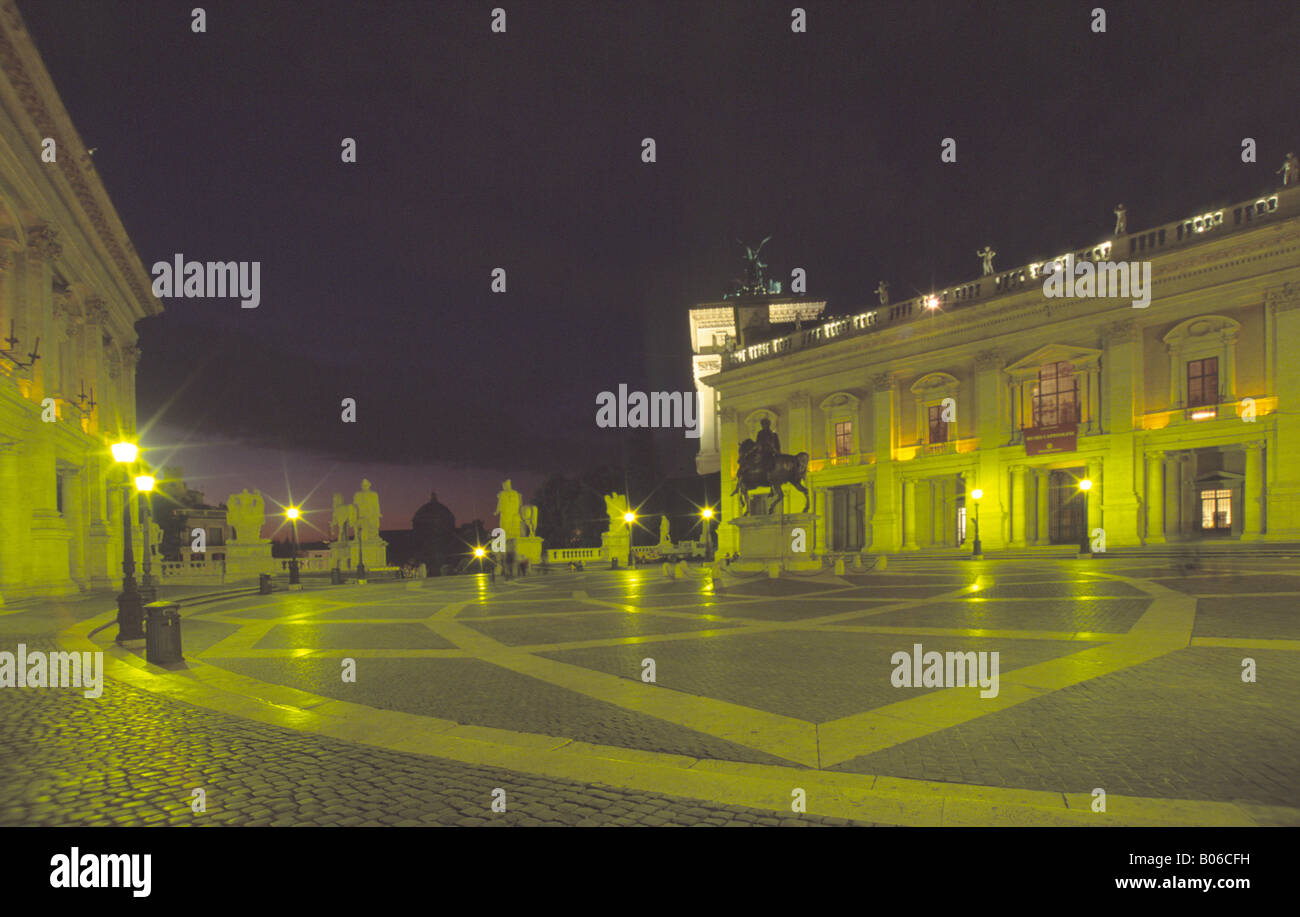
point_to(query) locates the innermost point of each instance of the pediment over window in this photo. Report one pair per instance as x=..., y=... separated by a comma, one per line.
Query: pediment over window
x=840, y=403
x=754, y=421
x=1202, y=328
x=935, y=383
x=1028, y=365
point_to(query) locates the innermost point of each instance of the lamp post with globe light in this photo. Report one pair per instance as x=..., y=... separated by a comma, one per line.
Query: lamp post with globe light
x=977, y=550
x=144, y=484
x=707, y=515
x=292, y=513
x=1085, y=545
x=629, y=517
x=130, y=612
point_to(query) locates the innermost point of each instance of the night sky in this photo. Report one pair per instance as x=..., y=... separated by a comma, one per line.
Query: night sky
x=479, y=150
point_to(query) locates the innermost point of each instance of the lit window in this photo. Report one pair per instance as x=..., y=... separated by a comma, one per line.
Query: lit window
x=938, y=426
x=844, y=438
x=1203, y=382
x=1216, y=509
x=1056, y=397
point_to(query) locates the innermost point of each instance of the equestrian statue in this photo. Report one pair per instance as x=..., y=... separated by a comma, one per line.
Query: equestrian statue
x=763, y=464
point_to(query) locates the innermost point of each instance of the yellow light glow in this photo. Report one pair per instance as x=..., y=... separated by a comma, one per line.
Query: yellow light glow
x=292, y=512
x=629, y=517
x=707, y=512
x=1085, y=484
x=977, y=494
x=124, y=452
x=932, y=302
x=479, y=552
x=144, y=483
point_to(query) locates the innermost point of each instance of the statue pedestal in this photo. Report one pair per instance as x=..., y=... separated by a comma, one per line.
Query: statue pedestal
x=248, y=560
x=616, y=546
x=526, y=548
x=765, y=543
x=347, y=556
x=341, y=558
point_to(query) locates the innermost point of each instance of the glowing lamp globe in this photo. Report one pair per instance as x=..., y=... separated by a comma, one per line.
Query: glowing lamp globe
x=124, y=452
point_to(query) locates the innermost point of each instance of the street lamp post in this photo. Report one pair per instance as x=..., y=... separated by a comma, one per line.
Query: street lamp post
x=292, y=513
x=977, y=550
x=148, y=588
x=1085, y=545
x=361, y=555
x=707, y=515
x=629, y=517
x=130, y=613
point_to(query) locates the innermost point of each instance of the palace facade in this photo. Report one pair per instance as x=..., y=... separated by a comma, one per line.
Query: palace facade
x=1184, y=415
x=71, y=290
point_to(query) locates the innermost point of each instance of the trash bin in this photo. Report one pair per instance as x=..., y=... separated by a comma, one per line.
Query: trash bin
x=336, y=577
x=264, y=584
x=162, y=633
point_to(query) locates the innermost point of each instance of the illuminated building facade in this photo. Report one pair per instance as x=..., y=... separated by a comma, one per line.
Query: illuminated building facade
x=1185, y=413
x=71, y=280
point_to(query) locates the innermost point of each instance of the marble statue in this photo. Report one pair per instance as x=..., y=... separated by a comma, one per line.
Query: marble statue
x=245, y=513
x=345, y=514
x=1290, y=170
x=665, y=535
x=528, y=515
x=1121, y=220
x=987, y=254
x=882, y=290
x=508, y=503
x=366, y=506
x=615, y=506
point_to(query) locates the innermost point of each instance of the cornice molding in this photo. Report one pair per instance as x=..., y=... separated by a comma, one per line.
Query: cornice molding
x=47, y=117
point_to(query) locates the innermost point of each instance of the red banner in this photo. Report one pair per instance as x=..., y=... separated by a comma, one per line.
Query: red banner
x=1045, y=440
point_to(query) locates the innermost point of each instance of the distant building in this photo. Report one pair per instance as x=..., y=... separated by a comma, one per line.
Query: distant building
x=717, y=328
x=216, y=532
x=1184, y=414
x=71, y=291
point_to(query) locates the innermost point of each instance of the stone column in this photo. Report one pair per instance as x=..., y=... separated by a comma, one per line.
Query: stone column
x=1173, y=467
x=728, y=504
x=1282, y=513
x=991, y=428
x=884, y=521
x=7, y=303
x=1155, y=497
x=949, y=512
x=42, y=249
x=1042, y=482
x=13, y=522
x=99, y=528
x=74, y=519
x=1254, y=492
x=909, y=514
x=1019, y=505
x=48, y=548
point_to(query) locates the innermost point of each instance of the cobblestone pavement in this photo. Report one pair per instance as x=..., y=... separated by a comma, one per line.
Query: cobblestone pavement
x=1123, y=674
x=131, y=758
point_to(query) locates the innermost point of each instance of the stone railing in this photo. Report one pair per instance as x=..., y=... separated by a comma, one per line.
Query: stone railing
x=568, y=555
x=1197, y=228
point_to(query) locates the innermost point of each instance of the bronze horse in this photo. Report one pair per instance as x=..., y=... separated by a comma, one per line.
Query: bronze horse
x=785, y=469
